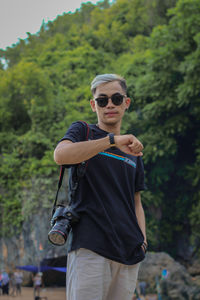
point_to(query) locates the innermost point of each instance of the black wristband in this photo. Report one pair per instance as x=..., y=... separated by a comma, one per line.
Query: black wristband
x=111, y=139
x=145, y=246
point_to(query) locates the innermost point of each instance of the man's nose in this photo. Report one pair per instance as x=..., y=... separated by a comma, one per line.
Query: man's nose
x=110, y=103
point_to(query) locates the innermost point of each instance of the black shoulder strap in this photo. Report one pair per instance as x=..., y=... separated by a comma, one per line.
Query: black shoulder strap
x=80, y=171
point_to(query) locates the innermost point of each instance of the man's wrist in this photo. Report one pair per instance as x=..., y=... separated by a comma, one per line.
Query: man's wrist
x=112, y=139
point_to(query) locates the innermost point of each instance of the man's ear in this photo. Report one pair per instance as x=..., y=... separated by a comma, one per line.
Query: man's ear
x=92, y=104
x=128, y=102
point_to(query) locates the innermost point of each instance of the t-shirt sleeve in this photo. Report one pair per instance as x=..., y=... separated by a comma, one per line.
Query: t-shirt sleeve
x=140, y=180
x=75, y=133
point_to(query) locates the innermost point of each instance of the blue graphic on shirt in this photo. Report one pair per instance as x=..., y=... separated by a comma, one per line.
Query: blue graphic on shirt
x=124, y=159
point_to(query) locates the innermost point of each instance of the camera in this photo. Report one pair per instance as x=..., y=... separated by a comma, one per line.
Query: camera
x=62, y=220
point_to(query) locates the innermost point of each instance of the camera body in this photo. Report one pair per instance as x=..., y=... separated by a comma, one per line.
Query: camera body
x=61, y=223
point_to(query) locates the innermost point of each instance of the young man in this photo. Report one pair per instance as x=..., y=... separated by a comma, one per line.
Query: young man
x=109, y=240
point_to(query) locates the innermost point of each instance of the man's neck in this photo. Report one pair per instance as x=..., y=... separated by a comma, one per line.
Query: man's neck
x=113, y=128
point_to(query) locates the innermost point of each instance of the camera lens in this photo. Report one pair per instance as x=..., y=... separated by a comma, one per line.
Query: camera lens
x=61, y=223
x=57, y=237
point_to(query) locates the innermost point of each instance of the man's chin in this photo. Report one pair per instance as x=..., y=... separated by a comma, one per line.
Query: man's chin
x=111, y=122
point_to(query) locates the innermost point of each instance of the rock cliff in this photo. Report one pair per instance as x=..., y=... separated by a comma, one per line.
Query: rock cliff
x=162, y=273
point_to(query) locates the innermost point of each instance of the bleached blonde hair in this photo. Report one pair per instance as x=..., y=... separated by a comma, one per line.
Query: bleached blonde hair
x=104, y=78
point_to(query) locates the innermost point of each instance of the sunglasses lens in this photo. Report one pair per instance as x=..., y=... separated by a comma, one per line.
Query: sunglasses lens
x=102, y=101
x=117, y=99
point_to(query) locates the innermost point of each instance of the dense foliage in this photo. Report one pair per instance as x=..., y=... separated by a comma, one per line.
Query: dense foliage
x=155, y=45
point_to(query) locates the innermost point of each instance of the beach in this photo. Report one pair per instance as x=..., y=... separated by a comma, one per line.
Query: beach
x=50, y=293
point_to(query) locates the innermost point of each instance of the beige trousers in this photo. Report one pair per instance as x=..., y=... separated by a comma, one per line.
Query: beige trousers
x=93, y=277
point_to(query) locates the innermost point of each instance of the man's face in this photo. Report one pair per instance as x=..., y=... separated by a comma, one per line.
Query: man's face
x=111, y=114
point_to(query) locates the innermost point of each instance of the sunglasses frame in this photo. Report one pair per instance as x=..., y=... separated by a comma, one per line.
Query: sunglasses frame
x=112, y=97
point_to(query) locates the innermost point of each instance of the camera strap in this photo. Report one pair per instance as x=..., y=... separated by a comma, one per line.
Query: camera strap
x=79, y=172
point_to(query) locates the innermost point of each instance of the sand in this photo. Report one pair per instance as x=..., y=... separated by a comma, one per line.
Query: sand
x=50, y=294
x=27, y=294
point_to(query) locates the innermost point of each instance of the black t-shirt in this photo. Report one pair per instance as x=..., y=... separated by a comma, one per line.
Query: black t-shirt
x=105, y=201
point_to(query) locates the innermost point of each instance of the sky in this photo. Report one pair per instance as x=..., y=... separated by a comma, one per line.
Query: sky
x=20, y=16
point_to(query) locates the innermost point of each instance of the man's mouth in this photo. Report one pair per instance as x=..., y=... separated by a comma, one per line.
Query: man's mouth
x=111, y=113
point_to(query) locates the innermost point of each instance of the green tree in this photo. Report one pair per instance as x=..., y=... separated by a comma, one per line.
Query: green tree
x=45, y=87
x=164, y=81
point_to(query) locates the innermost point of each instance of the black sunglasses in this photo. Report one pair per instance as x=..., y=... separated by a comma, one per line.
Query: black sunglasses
x=116, y=98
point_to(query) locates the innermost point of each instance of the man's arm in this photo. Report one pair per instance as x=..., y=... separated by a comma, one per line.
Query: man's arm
x=67, y=152
x=140, y=216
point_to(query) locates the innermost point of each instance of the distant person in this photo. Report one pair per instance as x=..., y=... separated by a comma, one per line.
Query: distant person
x=164, y=274
x=5, y=283
x=37, y=283
x=18, y=276
x=142, y=285
x=12, y=285
x=109, y=240
x=0, y=284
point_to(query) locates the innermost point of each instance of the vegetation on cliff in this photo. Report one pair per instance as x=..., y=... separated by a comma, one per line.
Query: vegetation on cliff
x=45, y=86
